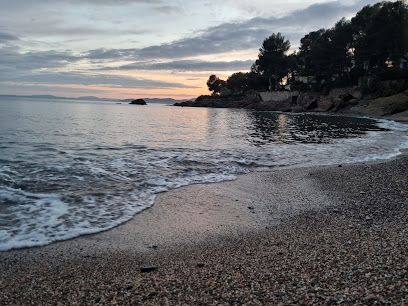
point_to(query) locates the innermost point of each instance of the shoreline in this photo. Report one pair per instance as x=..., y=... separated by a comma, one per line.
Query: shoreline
x=196, y=229
x=348, y=100
x=401, y=117
x=380, y=120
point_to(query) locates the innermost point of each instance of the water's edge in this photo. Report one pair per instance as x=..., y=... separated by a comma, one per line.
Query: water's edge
x=388, y=124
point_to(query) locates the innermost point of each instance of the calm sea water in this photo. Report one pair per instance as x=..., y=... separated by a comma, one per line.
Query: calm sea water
x=69, y=168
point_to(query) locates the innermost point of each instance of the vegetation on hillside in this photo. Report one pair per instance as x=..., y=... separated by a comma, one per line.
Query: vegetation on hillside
x=374, y=44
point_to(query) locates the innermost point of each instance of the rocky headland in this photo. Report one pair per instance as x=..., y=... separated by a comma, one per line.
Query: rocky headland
x=389, y=99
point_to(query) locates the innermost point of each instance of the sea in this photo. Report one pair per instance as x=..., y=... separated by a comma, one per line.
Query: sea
x=69, y=167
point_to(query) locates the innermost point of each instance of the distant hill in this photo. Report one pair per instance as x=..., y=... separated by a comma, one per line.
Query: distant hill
x=162, y=100
x=85, y=98
x=93, y=98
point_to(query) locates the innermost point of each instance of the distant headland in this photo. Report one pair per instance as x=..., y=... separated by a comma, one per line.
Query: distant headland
x=93, y=98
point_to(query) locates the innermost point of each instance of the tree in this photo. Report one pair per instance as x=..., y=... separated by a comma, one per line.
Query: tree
x=341, y=39
x=257, y=81
x=294, y=66
x=373, y=40
x=327, y=53
x=272, y=59
x=215, y=84
x=380, y=34
x=238, y=83
x=376, y=36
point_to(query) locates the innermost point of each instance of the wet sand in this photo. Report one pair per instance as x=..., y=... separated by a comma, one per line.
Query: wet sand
x=308, y=235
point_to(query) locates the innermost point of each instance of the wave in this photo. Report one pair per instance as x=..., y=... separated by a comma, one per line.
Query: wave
x=120, y=186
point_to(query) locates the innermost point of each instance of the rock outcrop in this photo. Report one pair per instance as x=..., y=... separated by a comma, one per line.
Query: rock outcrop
x=383, y=106
x=138, y=102
x=241, y=101
x=347, y=100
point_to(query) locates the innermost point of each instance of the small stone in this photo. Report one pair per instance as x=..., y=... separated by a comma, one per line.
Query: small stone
x=200, y=265
x=148, y=269
x=90, y=256
x=340, y=166
x=250, y=207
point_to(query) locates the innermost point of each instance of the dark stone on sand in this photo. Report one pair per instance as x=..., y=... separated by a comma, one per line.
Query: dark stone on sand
x=200, y=265
x=89, y=256
x=148, y=269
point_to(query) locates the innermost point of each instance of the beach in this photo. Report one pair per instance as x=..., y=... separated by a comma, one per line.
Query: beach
x=321, y=235
x=199, y=153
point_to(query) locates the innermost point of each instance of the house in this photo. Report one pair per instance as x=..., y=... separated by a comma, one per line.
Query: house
x=305, y=79
x=403, y=62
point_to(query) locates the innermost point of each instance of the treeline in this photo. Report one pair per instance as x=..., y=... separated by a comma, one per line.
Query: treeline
x=373, y=43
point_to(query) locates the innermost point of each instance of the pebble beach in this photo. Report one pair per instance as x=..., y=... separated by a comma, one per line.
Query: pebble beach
x=321, y=235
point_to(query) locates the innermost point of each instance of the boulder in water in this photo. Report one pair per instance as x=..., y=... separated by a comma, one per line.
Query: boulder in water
x=138, y=102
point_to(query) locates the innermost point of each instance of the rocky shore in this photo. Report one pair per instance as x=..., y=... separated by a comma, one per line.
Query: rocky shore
x=391, y=99
x=323, y=235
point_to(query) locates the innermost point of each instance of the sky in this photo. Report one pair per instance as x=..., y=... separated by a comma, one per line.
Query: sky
x=145, y=48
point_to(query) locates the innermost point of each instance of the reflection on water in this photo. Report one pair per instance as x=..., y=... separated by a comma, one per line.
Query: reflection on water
x=71, y=168
x=65, y=126
x=268, y=127
x=281, y=131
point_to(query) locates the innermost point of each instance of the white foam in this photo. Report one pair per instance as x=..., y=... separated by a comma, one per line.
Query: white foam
x=33, y=210
x=392, y=125
x=118, y=188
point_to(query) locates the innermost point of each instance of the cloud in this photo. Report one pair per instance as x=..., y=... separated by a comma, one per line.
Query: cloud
x=7, y=37
x=112, y=2
x=12, y=59
x=167, y=9
x=188, y=65
x=40, y=68
x=87, y=79
x=216, y=40
x=240, y=36
x=86, y=31
x=17, y=3
x=43, y=67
